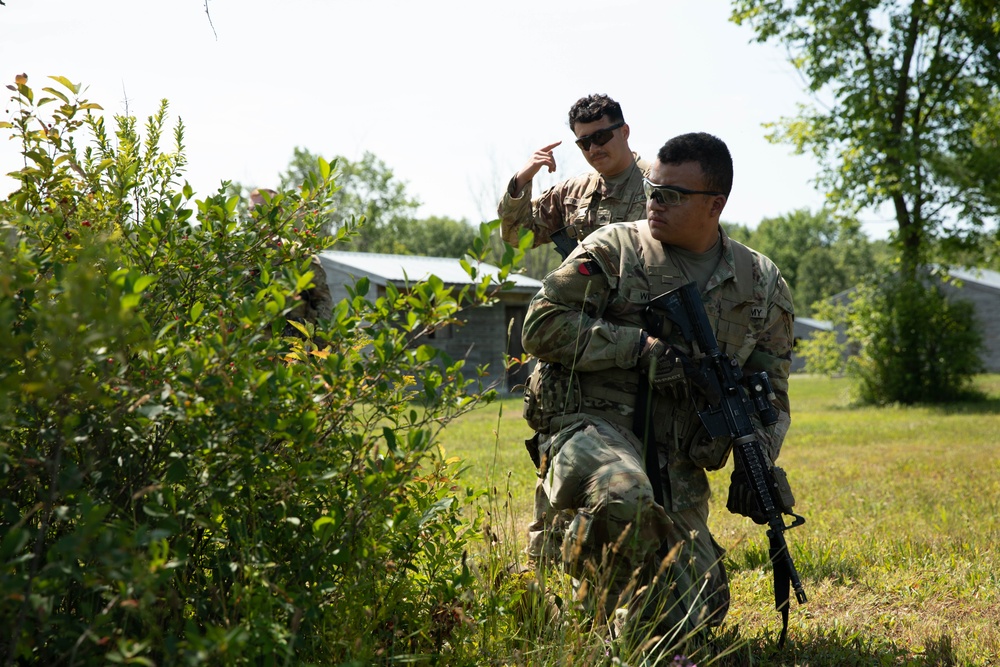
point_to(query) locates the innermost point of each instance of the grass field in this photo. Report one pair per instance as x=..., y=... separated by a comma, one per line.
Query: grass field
x=899, y=555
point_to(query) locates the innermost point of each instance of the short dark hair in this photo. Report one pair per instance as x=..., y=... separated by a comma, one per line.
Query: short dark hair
x=711, y=154
x=594, y=107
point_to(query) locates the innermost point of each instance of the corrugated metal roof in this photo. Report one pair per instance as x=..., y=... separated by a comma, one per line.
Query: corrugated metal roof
x=823, y=325
x=401, y=269
x=984, y=277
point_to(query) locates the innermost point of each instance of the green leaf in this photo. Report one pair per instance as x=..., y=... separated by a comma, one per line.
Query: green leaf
x=129, y=301
x=58, y=94
x=361, y=286
x=322, y=522
x=74, y=88
x=300, y=327
x=196, y=310
x=390, y=439
x=142, y=283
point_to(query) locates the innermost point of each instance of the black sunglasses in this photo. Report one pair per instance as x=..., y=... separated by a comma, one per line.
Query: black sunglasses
x=671, y=195
x=598, y=138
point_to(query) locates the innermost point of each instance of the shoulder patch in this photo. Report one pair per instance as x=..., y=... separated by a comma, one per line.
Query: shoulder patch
x=589, y=268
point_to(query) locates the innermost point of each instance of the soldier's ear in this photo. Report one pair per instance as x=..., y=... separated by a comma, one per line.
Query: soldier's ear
x=625, y=131
x=718, y=203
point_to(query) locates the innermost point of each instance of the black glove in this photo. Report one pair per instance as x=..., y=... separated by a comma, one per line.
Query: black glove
x=663, y=364
x=742, y=499
x=667, y=367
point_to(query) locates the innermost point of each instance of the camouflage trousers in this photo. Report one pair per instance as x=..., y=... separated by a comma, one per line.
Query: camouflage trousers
x=595, y=513
x=595, y=509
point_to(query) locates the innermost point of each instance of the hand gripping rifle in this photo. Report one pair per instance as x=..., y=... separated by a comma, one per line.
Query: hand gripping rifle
x=731, y=404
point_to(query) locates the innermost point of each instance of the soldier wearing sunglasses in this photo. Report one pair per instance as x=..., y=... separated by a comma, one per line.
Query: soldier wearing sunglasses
x=590, y=325
x=567, y=212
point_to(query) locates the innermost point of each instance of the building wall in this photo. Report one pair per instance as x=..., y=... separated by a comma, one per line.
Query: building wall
x=986, y=301
x=481, y=341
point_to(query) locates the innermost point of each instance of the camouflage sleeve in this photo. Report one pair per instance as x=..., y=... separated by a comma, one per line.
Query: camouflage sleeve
x=565, y=324
x=773, y=354
x=543, y=216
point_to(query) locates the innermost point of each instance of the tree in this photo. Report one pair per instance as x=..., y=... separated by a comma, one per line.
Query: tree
x=366, y=190
x=818, y=255
x=438, y=237
x=908, y=96
x=911, y=93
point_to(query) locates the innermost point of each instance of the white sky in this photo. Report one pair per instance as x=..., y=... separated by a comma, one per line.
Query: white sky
x=454, y=95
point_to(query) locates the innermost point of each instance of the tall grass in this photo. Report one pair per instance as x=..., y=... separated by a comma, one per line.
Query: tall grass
x=898, y=555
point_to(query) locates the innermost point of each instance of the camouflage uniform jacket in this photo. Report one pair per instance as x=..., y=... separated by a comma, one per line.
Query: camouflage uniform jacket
x=581, y=204
x=589, y=316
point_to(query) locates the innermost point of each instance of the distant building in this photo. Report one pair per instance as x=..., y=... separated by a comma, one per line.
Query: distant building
x=980, y=287
x=484, y=337
x=803, y=329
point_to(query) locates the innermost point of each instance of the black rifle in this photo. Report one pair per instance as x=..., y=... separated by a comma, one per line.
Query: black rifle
x=563, y=243
x=562, y=240
x=730, y=407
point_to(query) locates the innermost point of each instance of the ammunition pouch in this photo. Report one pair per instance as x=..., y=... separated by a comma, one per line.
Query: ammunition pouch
x=552, y=391
x=708, y=452
x=693, y=439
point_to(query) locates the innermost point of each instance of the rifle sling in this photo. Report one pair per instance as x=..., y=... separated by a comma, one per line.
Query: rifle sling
x=642, y=428
x=782, y=584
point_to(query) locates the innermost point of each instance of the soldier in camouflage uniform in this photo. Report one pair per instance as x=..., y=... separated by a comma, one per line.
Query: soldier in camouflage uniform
x=590, y=322
x=579, y=205
x=567, y=212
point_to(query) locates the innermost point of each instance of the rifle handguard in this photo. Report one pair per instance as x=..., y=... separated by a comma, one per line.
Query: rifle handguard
x=743, y=501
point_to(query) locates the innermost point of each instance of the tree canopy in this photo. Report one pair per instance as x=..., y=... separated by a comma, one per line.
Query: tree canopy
x=368, y=190
x=907, y=109
x=907, y=99
x=818, y=254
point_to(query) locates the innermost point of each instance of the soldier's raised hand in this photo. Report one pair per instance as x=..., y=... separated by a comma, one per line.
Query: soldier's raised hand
x=543, y=157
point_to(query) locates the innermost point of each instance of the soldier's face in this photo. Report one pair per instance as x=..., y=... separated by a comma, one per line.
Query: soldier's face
x=612, y=158
x=694, y=223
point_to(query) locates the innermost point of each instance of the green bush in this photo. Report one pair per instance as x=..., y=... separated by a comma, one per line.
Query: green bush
x=908, y=343
x=181, y=483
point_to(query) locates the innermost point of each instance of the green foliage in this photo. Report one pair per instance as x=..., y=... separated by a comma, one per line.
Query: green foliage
x=538, y=262
x=907, y=97
x=906, y=93
x=819, y=254
x=822, y=353
x=437, y=237
x=181, y=484
x=366, y=190
x=911, y=344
